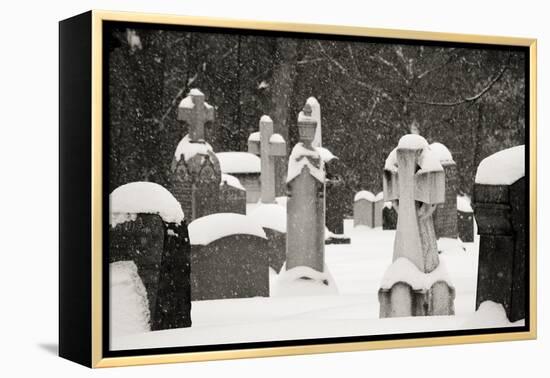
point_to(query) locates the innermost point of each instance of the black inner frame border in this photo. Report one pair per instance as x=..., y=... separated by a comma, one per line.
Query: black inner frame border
x=108, y=26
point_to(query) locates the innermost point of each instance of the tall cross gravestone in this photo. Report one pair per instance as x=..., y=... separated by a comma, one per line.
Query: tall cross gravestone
x=270, y=146
x=415, y=284
x=196, y=169
x=305, y=207
x=196, y=113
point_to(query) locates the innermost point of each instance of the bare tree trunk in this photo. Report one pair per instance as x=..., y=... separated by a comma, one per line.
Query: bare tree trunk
x=284, y=74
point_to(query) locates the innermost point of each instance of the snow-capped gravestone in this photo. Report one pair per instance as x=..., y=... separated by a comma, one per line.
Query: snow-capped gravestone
x=148, y=229
x=196, y=173
x=416, y=283
x=271, y=148
x=272, y=218
x=367, y=209
x=445, y=216
x=246, y=167
x=499, y=202
x=228, y=257
x=389, y=216
x=465, y=219
x=305, y=244
x=232, y=195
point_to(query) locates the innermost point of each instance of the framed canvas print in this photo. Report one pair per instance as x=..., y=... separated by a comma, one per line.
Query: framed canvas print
x=235, y=189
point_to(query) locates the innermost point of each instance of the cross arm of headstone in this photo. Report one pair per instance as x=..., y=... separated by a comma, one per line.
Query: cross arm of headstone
x=195, y=112
x=429, y=187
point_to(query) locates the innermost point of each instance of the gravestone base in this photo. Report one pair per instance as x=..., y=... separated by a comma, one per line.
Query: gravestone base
x=401, y=300
x=465, y=223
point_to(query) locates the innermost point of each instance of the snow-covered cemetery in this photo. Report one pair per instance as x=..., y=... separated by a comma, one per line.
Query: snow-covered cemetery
x=260, y=242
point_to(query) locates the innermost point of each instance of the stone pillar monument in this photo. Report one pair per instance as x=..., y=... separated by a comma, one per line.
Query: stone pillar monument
x=305, y=207
x=270, y=147
x=416, y=283
x=195, y=167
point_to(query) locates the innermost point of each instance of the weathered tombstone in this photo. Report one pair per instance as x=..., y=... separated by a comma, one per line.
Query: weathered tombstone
x=389, y=216
x=335, y=189
x=499, y=202
x=305, y=272
x=195, y=168
x=445, y=215
x=228, y=258
x=147, y=227
x=367, y=209
x=269, y=147
x=272, y=217
x=246, y=167
x=465, y=219
x=416, y=283
x=305, y=206
x=232, y=195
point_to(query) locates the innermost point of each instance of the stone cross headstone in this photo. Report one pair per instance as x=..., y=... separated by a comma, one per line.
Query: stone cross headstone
x=305, y=207
x=415, y=182
x=195, y=167
x=195, y=112
x=269, y=147
x=500, y=209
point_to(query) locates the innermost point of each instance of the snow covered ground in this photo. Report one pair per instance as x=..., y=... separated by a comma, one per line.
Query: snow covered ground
x=357, y=270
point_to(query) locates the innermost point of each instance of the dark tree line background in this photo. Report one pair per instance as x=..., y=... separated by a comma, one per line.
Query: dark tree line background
x=470, y=99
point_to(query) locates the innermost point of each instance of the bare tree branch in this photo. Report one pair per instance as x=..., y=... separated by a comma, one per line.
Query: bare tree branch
x=468, y=99
x=346, y=72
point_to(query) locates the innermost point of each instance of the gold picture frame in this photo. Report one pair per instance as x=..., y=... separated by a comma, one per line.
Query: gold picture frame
x=96, y=358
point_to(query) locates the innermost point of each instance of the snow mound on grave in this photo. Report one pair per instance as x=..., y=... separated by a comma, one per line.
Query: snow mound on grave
x=129, y=307
x=490, y=315
x=442, y=152
x=403, y=270
x=266, y=119
x=412, y=142
x=187, y=102
x=391, y=161
x=463, y=204
x=325, y=154
x=369, y=196
x=270, y=215
x=187, y=149
x=239, y=162
x=303, y=281
x=502, y=168
x=143, y=198
x=276, y=138
x=231, y=181
x=254, y=137
x=298, y=161
x=429, y=161
x=207, y=229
